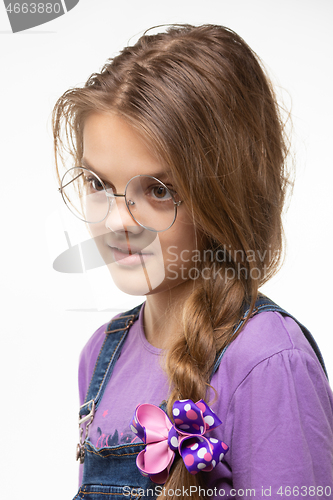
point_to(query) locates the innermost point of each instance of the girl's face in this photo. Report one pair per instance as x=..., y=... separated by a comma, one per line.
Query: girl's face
x=141, y=262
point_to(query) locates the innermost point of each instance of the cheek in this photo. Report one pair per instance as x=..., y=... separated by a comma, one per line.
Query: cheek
x=97, y=233
x=180, y=247
x=96, y=230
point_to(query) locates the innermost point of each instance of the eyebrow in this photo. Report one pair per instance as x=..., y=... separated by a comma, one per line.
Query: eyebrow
x=86, y=164
x=159, y=175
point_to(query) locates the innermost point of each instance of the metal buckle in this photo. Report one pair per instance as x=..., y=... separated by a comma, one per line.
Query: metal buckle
x=87, y=418
x=90, y=415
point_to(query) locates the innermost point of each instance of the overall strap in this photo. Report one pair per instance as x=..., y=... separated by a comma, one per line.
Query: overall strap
x=115, y=335
x=263, y=303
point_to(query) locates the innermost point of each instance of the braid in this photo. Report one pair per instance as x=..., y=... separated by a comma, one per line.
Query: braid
x=209, y=316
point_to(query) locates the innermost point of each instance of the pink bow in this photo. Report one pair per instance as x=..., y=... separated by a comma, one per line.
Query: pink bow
x=199, y=453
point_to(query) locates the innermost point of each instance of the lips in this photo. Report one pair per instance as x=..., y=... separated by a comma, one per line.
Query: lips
x=133, y=257
x=126, y=249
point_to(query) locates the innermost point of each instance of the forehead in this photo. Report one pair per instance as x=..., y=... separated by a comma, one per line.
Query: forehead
x=111, y=145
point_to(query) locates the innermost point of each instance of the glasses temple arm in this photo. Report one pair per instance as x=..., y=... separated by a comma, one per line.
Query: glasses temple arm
x=62, y=187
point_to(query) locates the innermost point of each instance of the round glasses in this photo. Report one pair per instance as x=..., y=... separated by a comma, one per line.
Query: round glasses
x=150, y=202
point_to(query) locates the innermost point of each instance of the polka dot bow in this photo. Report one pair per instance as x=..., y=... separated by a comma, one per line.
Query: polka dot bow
x=163, y=439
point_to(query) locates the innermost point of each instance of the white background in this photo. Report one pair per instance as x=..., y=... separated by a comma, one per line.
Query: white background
x=45, y=319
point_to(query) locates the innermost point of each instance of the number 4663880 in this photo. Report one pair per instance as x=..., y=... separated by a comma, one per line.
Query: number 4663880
x=34, y=8
x=305, y=491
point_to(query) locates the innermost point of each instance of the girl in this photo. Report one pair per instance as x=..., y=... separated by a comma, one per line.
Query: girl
x=179, y=169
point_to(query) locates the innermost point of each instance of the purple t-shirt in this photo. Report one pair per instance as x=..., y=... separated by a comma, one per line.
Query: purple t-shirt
x=274, y=401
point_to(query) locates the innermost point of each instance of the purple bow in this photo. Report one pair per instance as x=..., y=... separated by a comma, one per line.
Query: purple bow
x=199, y=453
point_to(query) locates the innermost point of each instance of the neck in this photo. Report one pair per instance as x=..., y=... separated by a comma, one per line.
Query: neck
x=162, y=314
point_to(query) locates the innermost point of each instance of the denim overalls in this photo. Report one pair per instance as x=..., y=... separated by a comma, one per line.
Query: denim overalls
x=111, y=473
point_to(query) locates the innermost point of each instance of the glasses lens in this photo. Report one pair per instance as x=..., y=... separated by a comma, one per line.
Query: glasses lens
x=84, y=194
x=151, y=203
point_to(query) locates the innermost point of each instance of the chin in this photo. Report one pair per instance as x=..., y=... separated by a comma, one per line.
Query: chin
x=137, y=281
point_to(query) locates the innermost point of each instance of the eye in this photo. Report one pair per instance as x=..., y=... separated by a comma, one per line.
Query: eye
x=160, y=193
x=93, y=183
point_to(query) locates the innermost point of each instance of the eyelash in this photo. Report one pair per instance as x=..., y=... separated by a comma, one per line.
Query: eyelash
x=106, y=184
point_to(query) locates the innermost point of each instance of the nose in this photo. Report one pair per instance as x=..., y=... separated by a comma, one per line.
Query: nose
x=119, y=219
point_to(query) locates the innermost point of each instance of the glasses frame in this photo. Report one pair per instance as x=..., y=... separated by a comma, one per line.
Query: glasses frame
x=112, y=196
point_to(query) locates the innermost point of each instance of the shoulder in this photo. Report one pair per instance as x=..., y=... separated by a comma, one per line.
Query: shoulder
x=90, y=352
x=264, y=336
x=88, y=358
x=91, y=349
x=270, y=347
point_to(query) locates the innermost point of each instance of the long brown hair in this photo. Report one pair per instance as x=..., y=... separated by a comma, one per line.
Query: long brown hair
x=201, y=98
